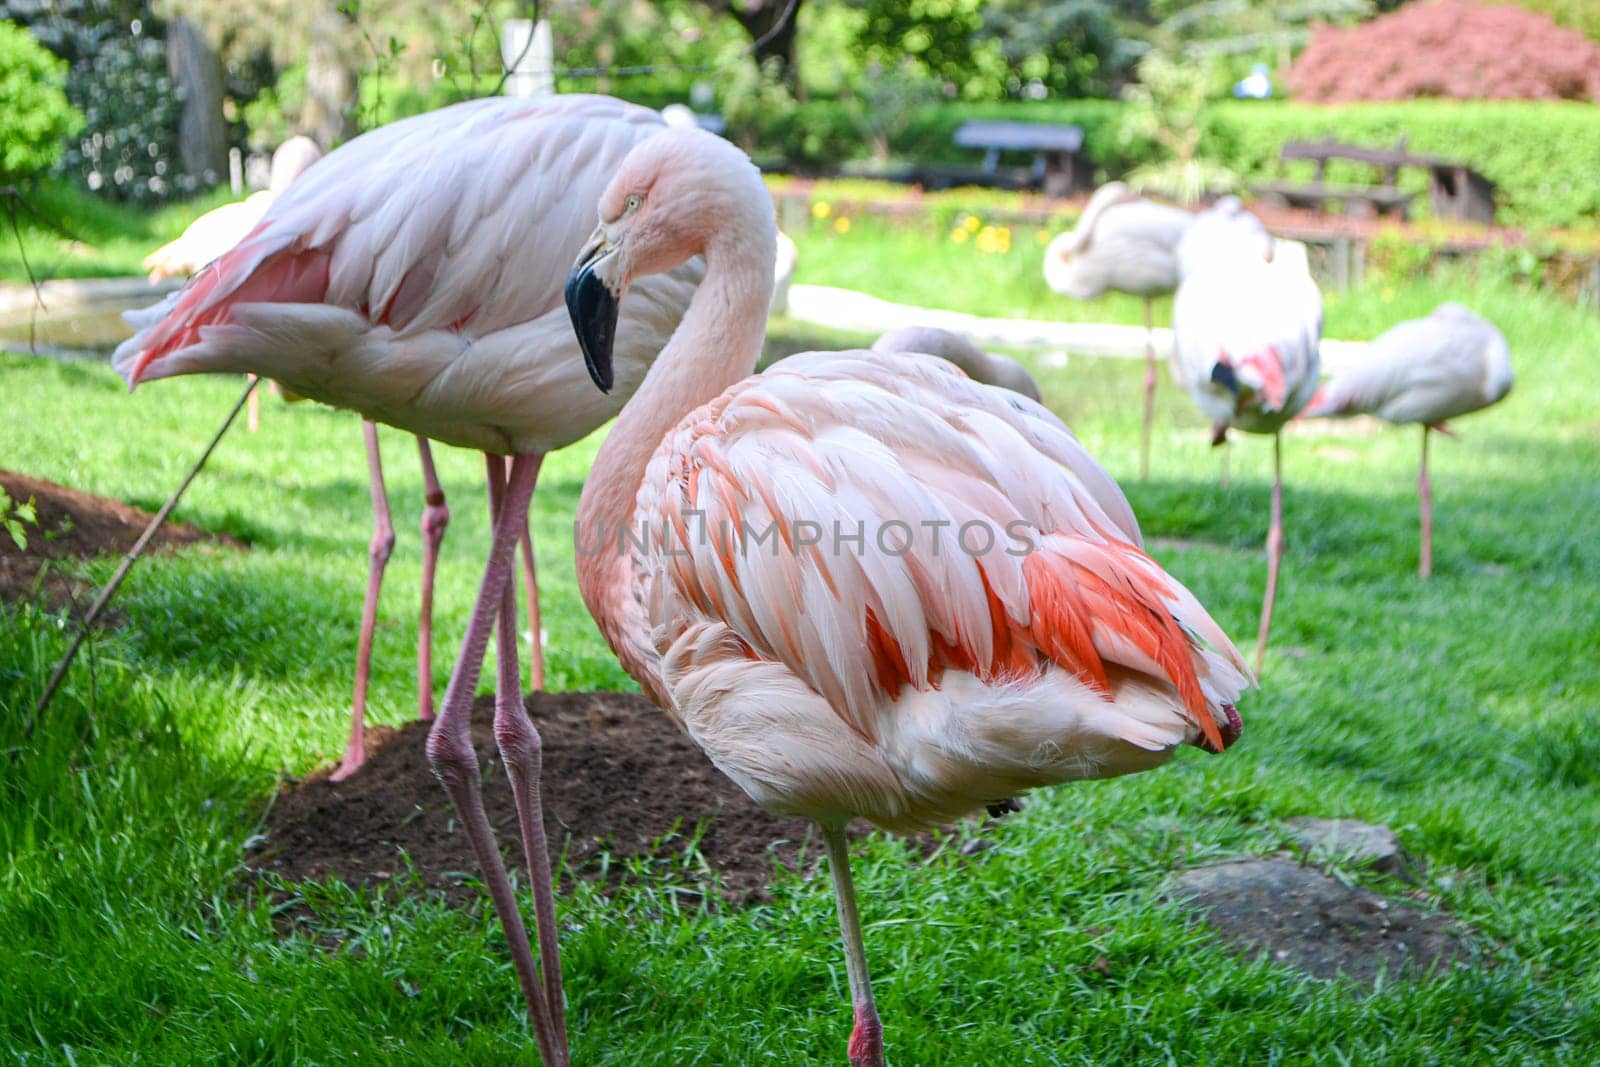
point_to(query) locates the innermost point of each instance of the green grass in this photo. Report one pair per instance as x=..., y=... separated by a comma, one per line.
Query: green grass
x=1464, y=712
x=90, y=237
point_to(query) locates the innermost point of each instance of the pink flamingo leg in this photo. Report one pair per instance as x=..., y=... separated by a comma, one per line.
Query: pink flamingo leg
x=1425, y=490
x=866, y=1038
x=1149, y=391
x=456, y=765
x=435, y=517
x=535, y=641
x=1274, y=550
x=522, y=751
x=378, y=549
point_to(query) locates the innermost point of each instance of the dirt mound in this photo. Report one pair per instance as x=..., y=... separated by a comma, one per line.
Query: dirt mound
x=1299, y=916
x=74, y=525
x=620, y=782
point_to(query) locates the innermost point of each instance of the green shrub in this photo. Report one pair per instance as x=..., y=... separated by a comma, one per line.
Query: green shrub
x=928, y=136
x=34, y=114
x=1544, y=157
x=128, y=148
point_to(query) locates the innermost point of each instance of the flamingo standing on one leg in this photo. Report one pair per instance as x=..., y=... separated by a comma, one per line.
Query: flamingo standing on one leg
x=844, y=666
x=415, y=275
x=1247, y=327
x=990, y=368
x=1426, y=371
x=1129, y=244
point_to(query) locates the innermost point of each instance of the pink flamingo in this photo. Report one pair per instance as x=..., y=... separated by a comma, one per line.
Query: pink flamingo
x=205, y=240
x=1451, y=363
x=1247, y=325
x=415, y=275
x=1130, y=244
x=990, y=368
x=788, y=606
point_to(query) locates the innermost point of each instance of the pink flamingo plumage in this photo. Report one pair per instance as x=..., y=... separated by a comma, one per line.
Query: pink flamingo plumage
x=207, y=239
x=1452, y=363
x=415, y=275
x=1247, y=331
x=788, y=606
x=1130, y=244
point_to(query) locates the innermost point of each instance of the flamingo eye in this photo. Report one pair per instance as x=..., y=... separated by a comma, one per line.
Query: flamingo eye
x=631, y=204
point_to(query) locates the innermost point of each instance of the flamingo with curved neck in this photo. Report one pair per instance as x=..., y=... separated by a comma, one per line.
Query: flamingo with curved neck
x=872, y=676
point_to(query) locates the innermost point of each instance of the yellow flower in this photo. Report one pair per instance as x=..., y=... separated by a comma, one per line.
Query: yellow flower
x=1040, y=237
x=994, y=240
x=841, y=224
x=821, y=209
x=972, y=222
x=959, y=235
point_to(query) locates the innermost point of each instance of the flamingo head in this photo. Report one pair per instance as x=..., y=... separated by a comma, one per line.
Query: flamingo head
x=680, y=194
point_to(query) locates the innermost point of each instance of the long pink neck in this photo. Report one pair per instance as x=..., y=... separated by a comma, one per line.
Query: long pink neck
x=715, y=345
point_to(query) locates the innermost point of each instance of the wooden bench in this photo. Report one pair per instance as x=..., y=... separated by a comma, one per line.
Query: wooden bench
x=1056, y=169
x=1456, y=191
x=1356, y=200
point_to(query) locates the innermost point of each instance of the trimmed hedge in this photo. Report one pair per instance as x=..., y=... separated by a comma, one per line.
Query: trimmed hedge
x=1544, y=157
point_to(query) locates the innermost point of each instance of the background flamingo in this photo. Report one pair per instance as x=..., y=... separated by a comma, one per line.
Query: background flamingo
x=1129, y=244
x=987, y=367
x=1426, y=371
x=833, y=679
x=415, y=275
x=1247, y=330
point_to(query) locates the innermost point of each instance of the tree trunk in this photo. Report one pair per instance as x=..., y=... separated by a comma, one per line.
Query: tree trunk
x=758, y=17
x=197, y=72
x=329, y=115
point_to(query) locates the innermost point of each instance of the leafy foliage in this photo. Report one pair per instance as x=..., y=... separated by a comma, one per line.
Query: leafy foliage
x=1166, y=107
x=1070, y=47
x=1455, y=49
x=128, y=148
x=34, y=114
x=16, y=516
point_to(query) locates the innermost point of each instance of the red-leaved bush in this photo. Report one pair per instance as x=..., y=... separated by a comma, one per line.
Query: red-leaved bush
x=1453, y=49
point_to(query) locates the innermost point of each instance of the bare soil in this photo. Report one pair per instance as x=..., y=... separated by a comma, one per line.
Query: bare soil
x=74, y=525
x=1296, y=915
x=621, y=782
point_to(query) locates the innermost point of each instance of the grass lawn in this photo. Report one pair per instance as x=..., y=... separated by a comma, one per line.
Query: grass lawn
x=1463, y=712
x=92, y=238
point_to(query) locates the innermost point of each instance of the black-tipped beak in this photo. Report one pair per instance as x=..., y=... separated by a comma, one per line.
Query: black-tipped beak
x=593, y=308
x=1221, y=374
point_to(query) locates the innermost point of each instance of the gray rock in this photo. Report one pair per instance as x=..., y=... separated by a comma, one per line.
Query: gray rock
x=1350, y=841
x=1301, y=918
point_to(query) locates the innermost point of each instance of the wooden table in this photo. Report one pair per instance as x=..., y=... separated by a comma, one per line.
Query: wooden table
x=1056, y=165
x=1455, y=190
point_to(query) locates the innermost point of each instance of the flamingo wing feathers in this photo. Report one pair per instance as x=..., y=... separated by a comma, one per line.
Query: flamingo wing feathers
x=873, y=521
x=435, y=222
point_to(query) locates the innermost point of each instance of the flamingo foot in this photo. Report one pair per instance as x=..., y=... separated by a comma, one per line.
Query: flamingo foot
x=866, y=1040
